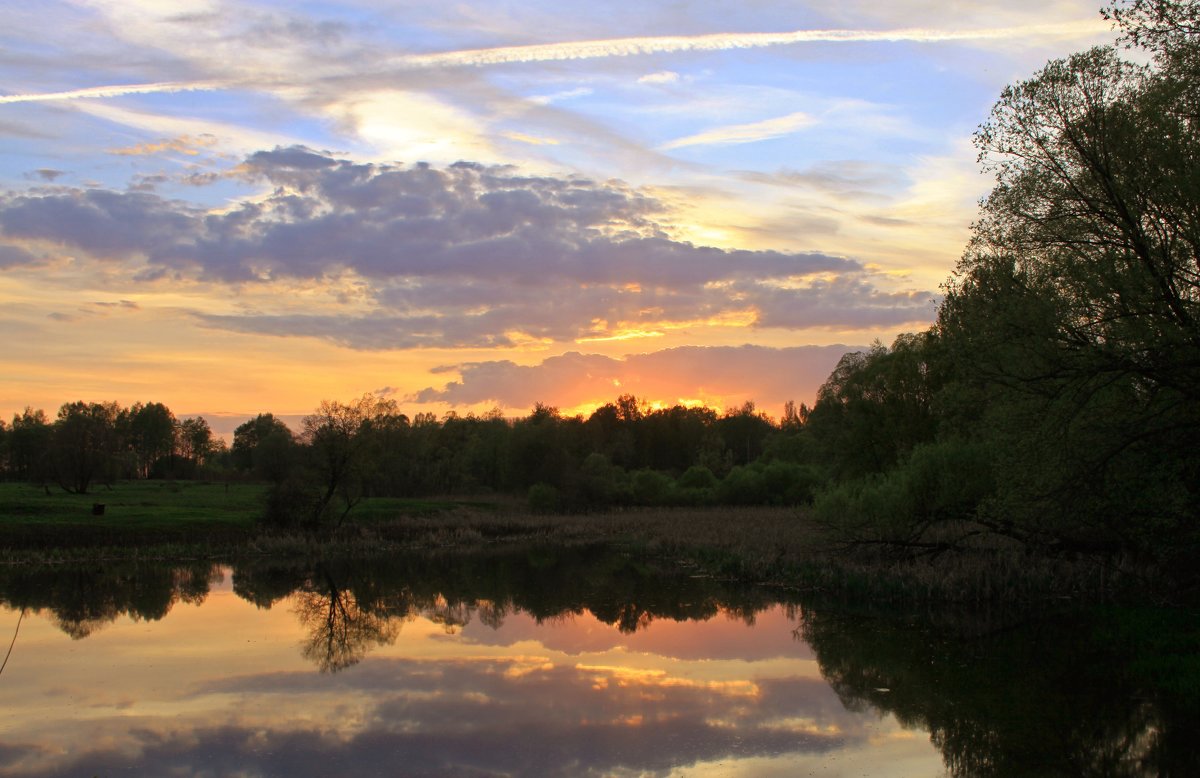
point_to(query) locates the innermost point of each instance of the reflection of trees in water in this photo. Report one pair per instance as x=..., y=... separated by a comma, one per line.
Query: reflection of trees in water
x=340, y=631
x=81, y=600
x=348, y=607
x=1045, y=698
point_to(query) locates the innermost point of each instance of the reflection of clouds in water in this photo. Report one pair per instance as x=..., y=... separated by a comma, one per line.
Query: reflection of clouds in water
x=434, y=684
x=725, y=636
x=523, y=716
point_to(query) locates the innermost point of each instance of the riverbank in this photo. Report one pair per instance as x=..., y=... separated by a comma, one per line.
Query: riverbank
x=778, y=546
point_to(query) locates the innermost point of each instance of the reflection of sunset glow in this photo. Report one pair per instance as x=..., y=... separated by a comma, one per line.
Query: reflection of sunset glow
x=518, y=670
x=627, y=677
x=805, y=726
x=227, y=667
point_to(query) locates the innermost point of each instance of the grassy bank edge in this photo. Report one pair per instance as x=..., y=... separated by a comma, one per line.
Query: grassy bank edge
x=769, y=545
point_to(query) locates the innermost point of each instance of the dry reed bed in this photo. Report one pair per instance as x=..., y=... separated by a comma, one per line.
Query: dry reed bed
x=779, y=546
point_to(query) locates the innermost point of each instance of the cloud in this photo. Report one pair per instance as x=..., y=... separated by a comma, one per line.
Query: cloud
x=558, y=97
x=467, y=255
x=102, y=222
x=745, y=133
x=851, y=179
x=628, y=47
x=265, y=35
x=185, y=144
x=467, y=717
x=661, y=77
x=724, y=375
x=841, y=302
x=116, y=90
x=11, y=256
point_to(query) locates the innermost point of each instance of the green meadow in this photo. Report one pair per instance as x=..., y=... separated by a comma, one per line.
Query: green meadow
x=191, y=516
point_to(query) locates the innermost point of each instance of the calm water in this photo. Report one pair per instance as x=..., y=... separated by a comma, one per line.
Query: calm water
x=541, y=663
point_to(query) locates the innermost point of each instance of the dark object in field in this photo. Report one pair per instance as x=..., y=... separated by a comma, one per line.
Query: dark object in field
x=98, y=509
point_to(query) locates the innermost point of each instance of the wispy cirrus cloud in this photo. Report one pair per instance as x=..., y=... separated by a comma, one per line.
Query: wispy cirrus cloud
x=749, y=132
x=187, y=145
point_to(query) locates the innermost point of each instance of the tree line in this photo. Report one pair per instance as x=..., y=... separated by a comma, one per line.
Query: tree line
x=93, y=443
x=623, y=453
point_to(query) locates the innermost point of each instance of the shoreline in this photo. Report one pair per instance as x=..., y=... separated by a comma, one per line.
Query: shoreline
x=761, y=545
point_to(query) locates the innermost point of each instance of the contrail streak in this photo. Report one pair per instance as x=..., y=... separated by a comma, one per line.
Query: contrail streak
x=627, y=47
x=117, y=90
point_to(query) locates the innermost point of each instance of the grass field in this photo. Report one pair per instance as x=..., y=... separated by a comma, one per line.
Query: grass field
x=141, y=513
x=135, y=505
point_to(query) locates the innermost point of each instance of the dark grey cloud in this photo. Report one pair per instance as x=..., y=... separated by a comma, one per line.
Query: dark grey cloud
x=769, y=376
x=371, y=333
x=104, y=223
x=11, y=256
x=841, y=302
x=148, y=183
x=462, y=255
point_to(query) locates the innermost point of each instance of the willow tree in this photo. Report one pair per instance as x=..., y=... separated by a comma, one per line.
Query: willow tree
x=1077, y=301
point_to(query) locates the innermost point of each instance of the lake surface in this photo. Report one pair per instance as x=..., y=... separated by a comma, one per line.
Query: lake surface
x=541, y=662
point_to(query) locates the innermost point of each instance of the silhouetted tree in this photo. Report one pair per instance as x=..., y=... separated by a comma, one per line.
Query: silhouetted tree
x=84, y=445
x=196, y=440
x=875, y=407
x=265, y=447
x=744, y=432
x=151, y=435
x=29, y=446
x=341, y=443
x=1075, y=311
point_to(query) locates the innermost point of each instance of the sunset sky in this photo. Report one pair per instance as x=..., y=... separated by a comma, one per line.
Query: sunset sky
x=235, y=207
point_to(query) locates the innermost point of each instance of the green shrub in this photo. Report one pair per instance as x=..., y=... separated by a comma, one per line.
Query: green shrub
x=789, y=483
x=937, y=482
x=291, y=503
x=601, y=483
x=697, y=477
x=743, y=486
x=544, y=498
x=651, y=487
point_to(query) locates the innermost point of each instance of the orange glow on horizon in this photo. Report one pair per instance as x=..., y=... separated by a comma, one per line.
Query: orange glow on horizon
x=586, y=409
x=621, y=335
